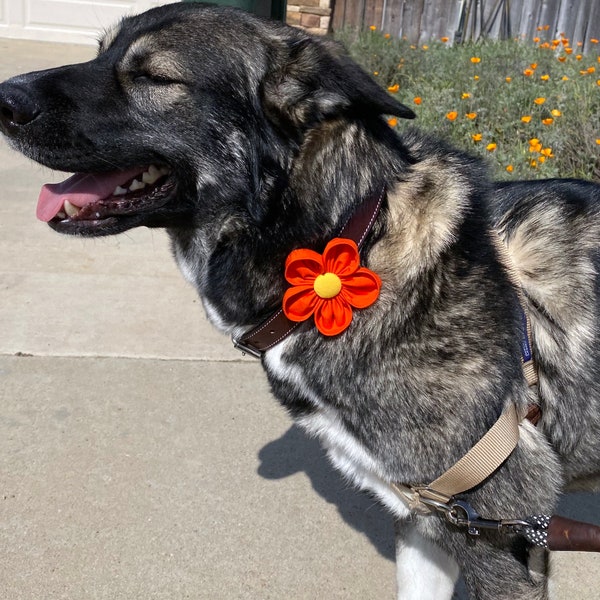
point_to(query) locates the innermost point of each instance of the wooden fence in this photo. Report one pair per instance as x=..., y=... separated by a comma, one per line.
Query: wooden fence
x=461, y=20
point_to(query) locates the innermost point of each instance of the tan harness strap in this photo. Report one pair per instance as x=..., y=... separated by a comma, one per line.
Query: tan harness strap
x=497, y=444
x=480, y=461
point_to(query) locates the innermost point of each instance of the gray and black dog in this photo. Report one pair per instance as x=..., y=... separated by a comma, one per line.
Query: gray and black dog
x=247, y=139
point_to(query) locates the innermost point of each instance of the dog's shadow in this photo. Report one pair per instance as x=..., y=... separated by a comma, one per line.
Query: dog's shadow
x=295, y=452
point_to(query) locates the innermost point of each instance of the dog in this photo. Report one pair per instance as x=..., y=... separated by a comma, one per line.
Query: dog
x=249, y=141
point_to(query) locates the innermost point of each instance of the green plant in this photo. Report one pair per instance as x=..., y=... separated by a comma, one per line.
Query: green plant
x=531, y=108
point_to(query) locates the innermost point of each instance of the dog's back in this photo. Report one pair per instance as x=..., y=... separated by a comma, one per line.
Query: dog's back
x=552, y=230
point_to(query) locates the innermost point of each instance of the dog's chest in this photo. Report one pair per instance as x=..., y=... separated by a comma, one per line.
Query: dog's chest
x=323, y=421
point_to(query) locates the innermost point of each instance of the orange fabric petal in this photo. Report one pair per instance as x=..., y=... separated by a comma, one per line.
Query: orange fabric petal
x=333, y=316
x=299, y=302
x=361, y=289
x=341, y=257
x=302, y=266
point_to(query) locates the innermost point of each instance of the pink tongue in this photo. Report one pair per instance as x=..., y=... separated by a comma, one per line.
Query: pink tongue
x=80, y=189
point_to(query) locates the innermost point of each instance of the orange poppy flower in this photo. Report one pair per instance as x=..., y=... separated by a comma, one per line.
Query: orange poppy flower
x=540, y=101
x=418, y=100
x=451, y=116
x=393, y=88
x=328, y=286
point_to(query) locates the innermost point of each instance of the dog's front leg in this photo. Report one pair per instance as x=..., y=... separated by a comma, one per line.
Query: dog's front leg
x=423, y=570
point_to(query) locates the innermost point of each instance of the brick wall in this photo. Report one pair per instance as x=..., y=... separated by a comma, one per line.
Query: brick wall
x=312, y=15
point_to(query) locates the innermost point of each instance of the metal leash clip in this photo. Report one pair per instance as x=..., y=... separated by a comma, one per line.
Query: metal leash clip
x=462, y=514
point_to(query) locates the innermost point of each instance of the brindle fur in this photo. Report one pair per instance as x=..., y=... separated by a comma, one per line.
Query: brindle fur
x=274, y=138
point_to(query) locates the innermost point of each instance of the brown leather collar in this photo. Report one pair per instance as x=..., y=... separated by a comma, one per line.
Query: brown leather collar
x=277, y=327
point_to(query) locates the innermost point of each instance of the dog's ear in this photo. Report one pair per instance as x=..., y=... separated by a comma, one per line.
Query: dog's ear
x=311, y=79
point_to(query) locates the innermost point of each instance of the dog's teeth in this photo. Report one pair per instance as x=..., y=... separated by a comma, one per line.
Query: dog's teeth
x=71, y=210
x=151, y=175
x=119, y=191
x=136, y=185
x=61, y=215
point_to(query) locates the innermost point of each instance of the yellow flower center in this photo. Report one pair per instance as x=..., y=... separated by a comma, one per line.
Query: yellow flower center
x=327, y=285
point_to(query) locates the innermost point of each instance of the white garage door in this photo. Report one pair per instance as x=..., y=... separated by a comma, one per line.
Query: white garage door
x=72, y=21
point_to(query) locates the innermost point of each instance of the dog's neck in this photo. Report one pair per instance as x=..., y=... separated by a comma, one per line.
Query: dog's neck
x=240, y=258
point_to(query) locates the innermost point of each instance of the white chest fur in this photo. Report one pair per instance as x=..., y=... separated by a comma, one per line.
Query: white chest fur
x=346, y=453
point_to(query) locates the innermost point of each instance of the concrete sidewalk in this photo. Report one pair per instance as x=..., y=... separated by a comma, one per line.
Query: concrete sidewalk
x=140, y=456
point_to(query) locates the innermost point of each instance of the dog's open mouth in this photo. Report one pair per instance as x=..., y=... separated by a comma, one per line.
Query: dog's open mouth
x=88, y=201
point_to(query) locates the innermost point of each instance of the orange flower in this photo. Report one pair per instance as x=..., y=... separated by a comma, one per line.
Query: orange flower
x=598, y=141
x=475, y=59
x=465, y=95
x=526, y=118
x=476, y=137
x=491, y=147
x=393, y=122
x=535, y=147
x=373, y=28
x=425, y=47
x=536, y=40
x=508, y=79
x=548, y=121
x=393, y=88
x=387, y=36
x=328, y=286
x=418, y=100
x=594, y=41
x=451, y=116
x=445, y=39
x=569, y=50
x=510, y=168
x=579, y=56
x=547, y=152
x=539, y=101
x=471, y=115
x=533, y=66
x=591, y=70
x=476, y=77
x=528, y=72
x=555, y=113
x=562, y=58
x=545, y=77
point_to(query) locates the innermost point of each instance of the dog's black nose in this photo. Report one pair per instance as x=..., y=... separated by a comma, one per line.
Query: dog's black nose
x=17, y=108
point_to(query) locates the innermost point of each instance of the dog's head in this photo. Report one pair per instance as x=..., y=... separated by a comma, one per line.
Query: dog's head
x=184, y=107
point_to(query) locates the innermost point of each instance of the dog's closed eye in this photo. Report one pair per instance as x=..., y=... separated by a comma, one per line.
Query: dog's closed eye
x=154, y=78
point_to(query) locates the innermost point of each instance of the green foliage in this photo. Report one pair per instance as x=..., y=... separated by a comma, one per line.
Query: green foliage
x=497, y=91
